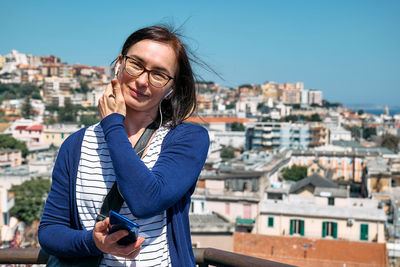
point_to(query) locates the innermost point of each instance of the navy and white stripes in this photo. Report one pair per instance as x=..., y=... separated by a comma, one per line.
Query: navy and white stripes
x=95, y=178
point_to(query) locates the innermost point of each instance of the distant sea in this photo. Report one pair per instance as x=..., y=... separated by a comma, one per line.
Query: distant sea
x=374, y=109
x=381, y=111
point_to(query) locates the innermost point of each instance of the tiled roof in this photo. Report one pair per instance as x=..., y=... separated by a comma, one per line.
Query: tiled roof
x=21, y=127
x=37, y=127
x=315, y=180
x=311, y=252
x=212, y=222
x=321, y=211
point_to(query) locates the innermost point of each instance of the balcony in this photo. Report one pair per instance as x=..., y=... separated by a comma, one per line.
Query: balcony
x=203, y=256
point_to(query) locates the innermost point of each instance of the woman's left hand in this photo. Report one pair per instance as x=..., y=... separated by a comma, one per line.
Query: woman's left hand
x=112, y=100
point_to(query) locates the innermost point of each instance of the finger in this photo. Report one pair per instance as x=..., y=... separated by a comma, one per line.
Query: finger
x=102, y=225
x=114, y=237
x=117, y=89
x=109, y=90
x=125, y=251
x=133, y=254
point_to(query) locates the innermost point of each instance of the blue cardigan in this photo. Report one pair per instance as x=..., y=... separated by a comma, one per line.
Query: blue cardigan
x=168, y=186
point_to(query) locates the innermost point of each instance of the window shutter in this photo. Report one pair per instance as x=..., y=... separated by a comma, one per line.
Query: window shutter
x=302, y=228
x=291, y=227
x=334, y=230
x=364, y=232
x=270, y=221
x=323, y=229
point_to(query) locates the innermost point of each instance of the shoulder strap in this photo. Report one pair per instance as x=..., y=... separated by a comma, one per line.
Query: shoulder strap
x=114, y=200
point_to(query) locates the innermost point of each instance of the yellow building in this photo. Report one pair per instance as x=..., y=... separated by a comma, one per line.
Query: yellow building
x=56, y=134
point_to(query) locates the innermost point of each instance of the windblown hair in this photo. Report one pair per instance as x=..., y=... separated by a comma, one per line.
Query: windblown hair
x=183, y=101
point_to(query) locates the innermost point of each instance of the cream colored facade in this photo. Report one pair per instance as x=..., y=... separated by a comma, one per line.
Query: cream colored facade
x=56, y=134
x=313, y=227
x=348, y=216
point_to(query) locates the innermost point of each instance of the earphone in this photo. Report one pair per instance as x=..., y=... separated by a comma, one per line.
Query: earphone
x=169, y=92
x=116, y=70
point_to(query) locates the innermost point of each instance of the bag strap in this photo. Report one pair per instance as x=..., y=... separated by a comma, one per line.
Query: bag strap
x=114, y=199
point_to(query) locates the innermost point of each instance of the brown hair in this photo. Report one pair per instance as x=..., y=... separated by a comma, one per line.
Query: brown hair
x=183, y=101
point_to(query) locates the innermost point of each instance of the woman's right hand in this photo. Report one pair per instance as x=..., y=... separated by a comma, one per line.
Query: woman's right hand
x=107, y=243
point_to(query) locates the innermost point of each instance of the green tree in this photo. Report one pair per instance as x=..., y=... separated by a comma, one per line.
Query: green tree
x=7, y=141
x=227, y=153
x=315, y=117
x=27, y=110
x=294, y=173
x=89, y=120
x=368, y=132
x=237, y=127
x=67, y=113
x=84, y=88
x=391, y=142
x=29, y=199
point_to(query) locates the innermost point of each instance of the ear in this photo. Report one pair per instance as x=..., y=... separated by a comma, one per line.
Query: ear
x=117, y=66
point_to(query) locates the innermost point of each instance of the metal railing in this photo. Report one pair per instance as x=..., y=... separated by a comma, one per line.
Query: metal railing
x=204, y=257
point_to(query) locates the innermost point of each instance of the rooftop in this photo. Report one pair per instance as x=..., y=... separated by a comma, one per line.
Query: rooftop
x=320, y=211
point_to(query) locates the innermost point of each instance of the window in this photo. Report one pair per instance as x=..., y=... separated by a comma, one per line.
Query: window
x=331, y=201
x=340, y=161
x=192, y=207
x=329, y=229
x=62, y=135
x=202, y=206
x=364, y=232
x=297, y=227
x=270, y=221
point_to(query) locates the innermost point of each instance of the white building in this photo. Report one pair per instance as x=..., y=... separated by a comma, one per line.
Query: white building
x=339, y=133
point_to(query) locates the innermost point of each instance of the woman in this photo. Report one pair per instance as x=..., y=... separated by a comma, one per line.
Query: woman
x=154, y=83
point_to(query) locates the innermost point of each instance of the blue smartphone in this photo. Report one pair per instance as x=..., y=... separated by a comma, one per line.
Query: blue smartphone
x=119, y=222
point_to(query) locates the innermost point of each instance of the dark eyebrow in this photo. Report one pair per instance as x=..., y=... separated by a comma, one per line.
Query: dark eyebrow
x=157, y=68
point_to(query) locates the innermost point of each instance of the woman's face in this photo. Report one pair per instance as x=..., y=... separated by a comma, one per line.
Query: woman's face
x=138, y=93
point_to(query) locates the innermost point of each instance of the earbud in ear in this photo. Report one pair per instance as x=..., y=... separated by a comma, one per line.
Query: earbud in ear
x=169, y=92
x=116, y=70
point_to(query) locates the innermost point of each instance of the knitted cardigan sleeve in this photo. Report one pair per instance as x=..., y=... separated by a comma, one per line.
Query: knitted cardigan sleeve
x=148, y=192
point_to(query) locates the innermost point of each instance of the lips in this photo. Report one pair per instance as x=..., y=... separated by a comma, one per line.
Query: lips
x=135, y=93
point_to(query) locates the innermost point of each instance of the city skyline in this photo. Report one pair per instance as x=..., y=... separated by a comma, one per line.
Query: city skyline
x=347, y=50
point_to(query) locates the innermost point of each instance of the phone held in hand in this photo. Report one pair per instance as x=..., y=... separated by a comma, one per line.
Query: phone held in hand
x=119, y=222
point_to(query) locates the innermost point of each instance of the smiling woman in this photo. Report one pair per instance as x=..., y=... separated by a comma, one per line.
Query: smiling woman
x=153, y=93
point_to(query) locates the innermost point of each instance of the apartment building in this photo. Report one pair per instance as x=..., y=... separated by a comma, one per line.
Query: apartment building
x=32, y=135
x=315, y=97
x=319, y=134
x=318, y=208
x=277, y=135
x=10, y=158
x=57, y=133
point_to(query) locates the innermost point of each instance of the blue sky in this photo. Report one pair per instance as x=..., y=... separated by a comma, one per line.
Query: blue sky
x=348, y=49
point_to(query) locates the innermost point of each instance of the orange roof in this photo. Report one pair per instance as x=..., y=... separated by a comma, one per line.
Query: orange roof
x=209, y=120
x=37, y=127
x=301, y=251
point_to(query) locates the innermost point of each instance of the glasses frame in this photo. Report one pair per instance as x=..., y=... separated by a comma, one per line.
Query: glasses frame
x=145, y=70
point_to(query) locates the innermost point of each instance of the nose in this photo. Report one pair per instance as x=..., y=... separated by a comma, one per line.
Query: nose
x=143, y=78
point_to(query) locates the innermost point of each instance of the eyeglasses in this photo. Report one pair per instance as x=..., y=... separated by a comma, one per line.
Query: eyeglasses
x=155, y=78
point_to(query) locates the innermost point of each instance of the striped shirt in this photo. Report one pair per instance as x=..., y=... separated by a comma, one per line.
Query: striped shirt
x=95, y=178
